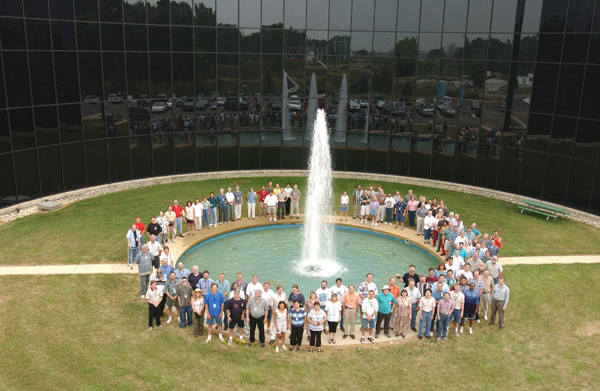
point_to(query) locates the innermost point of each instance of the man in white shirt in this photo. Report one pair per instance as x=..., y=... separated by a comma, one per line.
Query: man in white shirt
x=198, y=210
x=271, y=203
x=340, y=290
x=454, y=266
x=369, y=307
x=253, y=287
x=461, y=239
x=267, y=294
x=155, y=249
x=414, y=295
x=465, y=272
x=323, y=294
x=365, y=286
x=230, y=204
x=458, y=261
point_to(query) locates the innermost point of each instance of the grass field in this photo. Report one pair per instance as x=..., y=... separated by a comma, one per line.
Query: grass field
x=93, y=230
x=90, y=333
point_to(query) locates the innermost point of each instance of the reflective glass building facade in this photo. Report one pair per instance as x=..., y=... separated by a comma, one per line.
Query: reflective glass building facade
x=494, y=93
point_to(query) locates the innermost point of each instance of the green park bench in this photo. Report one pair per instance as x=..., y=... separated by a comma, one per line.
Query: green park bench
x=550, y=211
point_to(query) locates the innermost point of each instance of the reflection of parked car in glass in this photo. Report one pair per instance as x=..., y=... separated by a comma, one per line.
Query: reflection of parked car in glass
x=231, y=104
x=399, y=108
x=426, y=110
x=364, y=101
x=188, y=106
x=91, y=99
x=220, y=101
x=180, y=101
x=201, y=104
x=353, y=105
x=503, y=88
x=243, y=104
x=475, y=105
x=159, y=107
x=161, y=98
x=295, y=103
x=419, y=102
x=139, y=114
x=448, y=111
x=468, y=84
x=115, y=98
x=276, y=105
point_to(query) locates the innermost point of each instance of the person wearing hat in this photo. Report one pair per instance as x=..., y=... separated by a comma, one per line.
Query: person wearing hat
x=236, y=312
x=471, y=305
x=198, y=306
x=386, y=302
x=369, y=307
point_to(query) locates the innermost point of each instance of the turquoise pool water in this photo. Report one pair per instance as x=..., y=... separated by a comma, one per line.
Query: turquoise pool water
x=273, y=253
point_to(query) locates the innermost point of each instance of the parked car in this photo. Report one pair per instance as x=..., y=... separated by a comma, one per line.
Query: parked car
x=91, y=99
x=448, y=111
x=427, y=110
x=115, y=98
x=181, y=100
x=201, y=104
x=399, y=108
x=353, y=105
x=159, y=107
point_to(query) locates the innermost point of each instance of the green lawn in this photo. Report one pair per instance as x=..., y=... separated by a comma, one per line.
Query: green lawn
x=93, y=230
x=90, y=333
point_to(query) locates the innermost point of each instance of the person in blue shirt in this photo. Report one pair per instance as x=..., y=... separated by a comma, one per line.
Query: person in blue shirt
x=462, y=252
x=221, y=204
x=471, y=306
x=438, y=294
x=214, y=303
x=213, y=210
x=166, y=268
x=400, y=210
x=386, y=303
x=181, y=271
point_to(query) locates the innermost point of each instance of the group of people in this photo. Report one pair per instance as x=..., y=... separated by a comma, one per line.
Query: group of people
x=468, y=284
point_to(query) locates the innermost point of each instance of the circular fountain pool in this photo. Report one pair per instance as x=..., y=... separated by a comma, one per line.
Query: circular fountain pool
x=274, y=252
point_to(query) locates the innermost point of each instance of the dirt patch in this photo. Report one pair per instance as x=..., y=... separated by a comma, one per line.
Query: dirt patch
x=589, y=329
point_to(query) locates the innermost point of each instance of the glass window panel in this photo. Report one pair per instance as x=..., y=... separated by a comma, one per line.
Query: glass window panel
x=134, y=11
x=359, y=82
x=4, y=132
x=554, y=15
x=96, y=162
x=183, y=75
x=479, y=16
x=250, y=40
x=227, y=73
x=361, y=43
x=69, y=117
x=384, y=44
x=42, y=78
x=531, y=16
x=2, y=90
x=476, y=46
x=227, y=40
x=86, y=10
x=563, y=136
x=295, y=71
x=33, y=8
x=26, y=168
x=158, y=11
x=182, y=39
x=158, y=37
x=500, y=47
x=420, y=164
x=137, y=75
x=205, y=74
x=46, y=125
x=118, y=158
x=38, y=34
x=227, y=13
x=385, y=15
x=67, y=85
x=382, y=77
x=429, y=44
x=503, y=18
x=272, y=13
x=272, y=41
x=17, y=79
x=455, y=19
x=74, y=170
x=340, y=15
x=527, y=47
x=205, y=13
x=538, y=132
x=160, y=73
x=580, y=185
x=557, y=179
x=91, y=118
x=569, y=89
x=542, y=99
x=12, y=8
x=114, y=76
x=432, y=15
x=63, y=35
x=250, y=13
x=141, y=157
x=206, y=39
x=362, y=15
x=12, y=34
x=594, y=55
x=575, y=48
x=409, y=12
x=90, y=75
x=588, y=140
x=163, y=155
x=532, y=177
x=295, y=44
x=550, y=47
x=453, y=45
x=21, y=129
x=272, y=75
x=88, y=36
x=295, y=14
x=112, y=10
x=376, y=161
x=61, y=9
x=250, y=75
x=509, y=176
x=407, y=44
x=181, y=12
x=185, y=158
x=50, y=170
x=8, y=194
x=318, y=15
x=136, y=37
x=590, y=106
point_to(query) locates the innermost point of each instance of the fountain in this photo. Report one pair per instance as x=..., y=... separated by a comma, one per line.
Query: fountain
x=318, y=246
x=340, y=122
